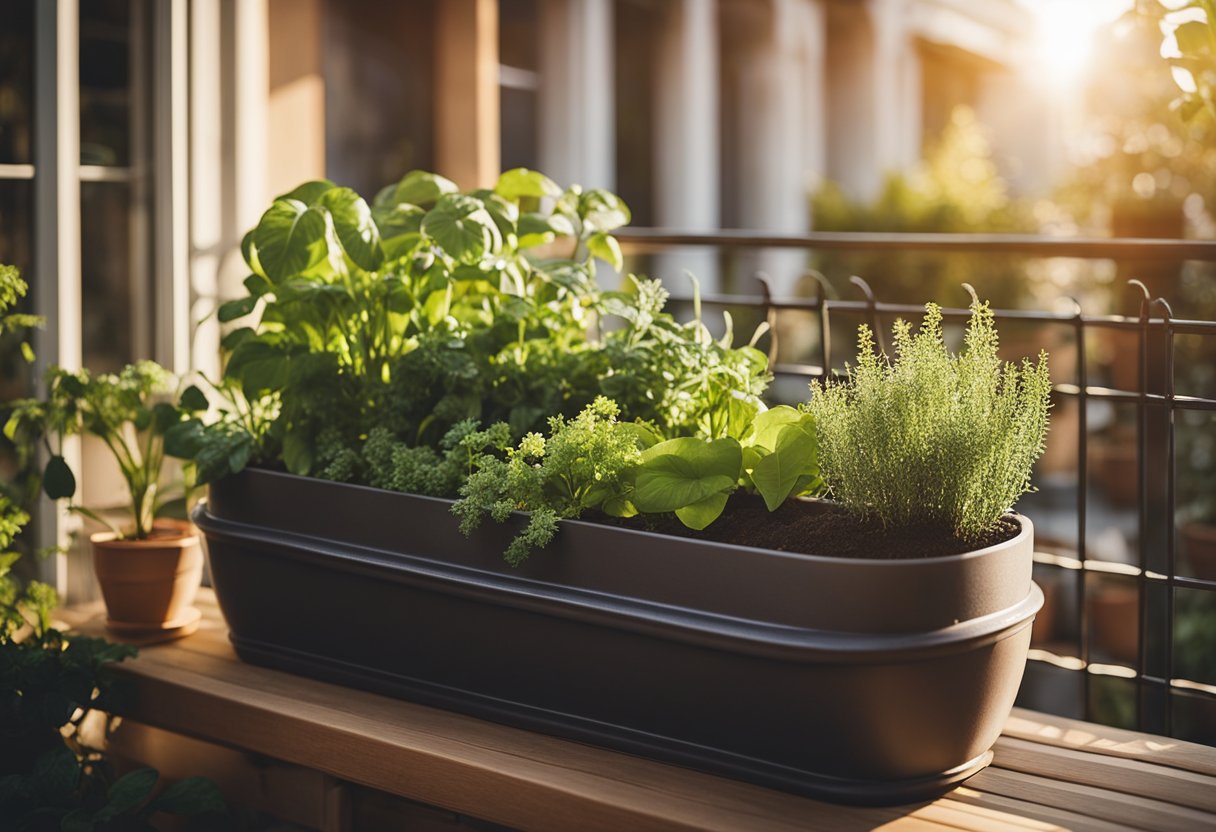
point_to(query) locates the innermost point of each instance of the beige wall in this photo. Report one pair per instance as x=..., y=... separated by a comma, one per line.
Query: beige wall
x=296, y=106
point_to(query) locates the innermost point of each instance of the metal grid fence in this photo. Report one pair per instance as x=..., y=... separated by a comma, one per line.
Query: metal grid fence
x=1151, y=668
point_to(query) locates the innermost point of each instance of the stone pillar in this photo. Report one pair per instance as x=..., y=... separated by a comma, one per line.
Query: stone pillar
x=782, y=151
x=577, y=112
x=687, y=158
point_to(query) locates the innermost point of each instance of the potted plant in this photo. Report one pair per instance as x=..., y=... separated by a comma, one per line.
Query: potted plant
x=150, y=567
x=670, y=591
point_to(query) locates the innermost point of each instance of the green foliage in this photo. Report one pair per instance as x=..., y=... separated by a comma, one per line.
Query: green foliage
x=930, y=438
x=129, y=412
x=597, y=461
x=357, y=372
x=583, y=464
x=1193, y=58
x=956, y=189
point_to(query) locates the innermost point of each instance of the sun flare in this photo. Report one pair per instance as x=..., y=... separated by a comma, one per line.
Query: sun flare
x=1065, y=32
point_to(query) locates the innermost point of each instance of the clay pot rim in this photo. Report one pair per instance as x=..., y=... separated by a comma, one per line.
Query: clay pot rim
x=111, y=540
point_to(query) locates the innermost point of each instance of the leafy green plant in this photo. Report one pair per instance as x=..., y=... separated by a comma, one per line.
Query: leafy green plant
x=583, y=464
x=362, y=305
x=930, y=438
x=598, y=462
x=130, y=413
x=50, y=683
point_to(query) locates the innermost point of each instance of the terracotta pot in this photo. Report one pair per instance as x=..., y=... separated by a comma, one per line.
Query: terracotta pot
x=1199, y=543
x=149, y=585
x=1114, y=620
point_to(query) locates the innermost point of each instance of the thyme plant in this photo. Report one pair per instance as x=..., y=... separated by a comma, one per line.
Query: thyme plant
x=930, y=438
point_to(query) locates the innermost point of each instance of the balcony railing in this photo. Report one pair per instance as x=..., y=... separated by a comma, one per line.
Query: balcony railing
x=1134, y=636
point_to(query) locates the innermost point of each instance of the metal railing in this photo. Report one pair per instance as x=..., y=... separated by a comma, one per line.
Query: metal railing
x=1151, y=671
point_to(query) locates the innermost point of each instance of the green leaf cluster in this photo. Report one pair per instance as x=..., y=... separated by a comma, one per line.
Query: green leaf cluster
x=596, y=461
x=584, y=463
x=420, y=310
x=931, y=438
x=130, y=412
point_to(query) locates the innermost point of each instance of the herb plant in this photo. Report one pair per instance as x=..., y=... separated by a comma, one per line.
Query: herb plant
x=930, y=438
x=50, y=777
x=598, y=462
x=130, y=413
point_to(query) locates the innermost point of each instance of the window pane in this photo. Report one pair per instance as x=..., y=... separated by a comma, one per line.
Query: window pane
x=105, y=82
x=17, y=83
x=16, y=249
x=106, y=270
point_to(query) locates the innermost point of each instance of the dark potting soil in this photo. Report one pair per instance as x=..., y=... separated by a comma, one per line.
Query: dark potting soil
x=814, y=529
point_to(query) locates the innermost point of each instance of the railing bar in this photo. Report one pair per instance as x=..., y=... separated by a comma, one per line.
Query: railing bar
x=1082, y=496
x=1171, y=514
x=1142, y=505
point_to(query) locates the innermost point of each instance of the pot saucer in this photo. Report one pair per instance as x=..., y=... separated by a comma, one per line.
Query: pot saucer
x=179, y=627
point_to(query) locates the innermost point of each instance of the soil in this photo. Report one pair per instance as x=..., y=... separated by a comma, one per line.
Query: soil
x=814, y=528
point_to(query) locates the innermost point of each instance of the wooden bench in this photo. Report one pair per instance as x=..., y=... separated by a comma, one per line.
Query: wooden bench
x=1048, y=773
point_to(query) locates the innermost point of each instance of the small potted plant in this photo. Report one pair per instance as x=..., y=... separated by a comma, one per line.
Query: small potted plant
x=150, y=566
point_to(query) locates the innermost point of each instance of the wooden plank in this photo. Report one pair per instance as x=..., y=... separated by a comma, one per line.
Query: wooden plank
x=1105, y=804
x=1055, y=817
x=1116, y=742
x=1171, y=785
x=467, y=132
x=982, y=819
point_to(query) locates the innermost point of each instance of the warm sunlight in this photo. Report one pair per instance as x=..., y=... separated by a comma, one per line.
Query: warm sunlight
x=1065, y=34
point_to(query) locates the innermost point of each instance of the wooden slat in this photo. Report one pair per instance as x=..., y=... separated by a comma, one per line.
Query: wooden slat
x=1049, y=774
x=1056, y=817
x=1133, y=777
x=1104, y=804
x=1116, y=742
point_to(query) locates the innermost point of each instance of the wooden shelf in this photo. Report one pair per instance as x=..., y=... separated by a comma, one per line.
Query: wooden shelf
x=1049, y=772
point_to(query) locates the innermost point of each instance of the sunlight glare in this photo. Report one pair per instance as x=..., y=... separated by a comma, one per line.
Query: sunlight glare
x=1065, y=34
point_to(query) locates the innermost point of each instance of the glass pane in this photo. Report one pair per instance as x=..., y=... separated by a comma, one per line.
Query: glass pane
x=105, y=82
x=517, y=33
x=106, y=275
x=16, y=249
x=17, y=83
x=519, y=141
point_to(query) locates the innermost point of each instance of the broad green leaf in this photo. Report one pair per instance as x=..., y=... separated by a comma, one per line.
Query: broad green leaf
x=233, y=309
x=354, y=226
x=680, y=472
x=192, y=796
x=77, y=820
x=768, y=425
x=1193, y=37
x=701, y=514
x=297, y=452
x=602, y=210
x=462, y=227
x=794, y=456
x=58, y=481
x=256, y=285
x=128, y=792
x=193, y=399
x=520, y=182
x=184, y=439
x=291, y=238
x=308, y=192
x=437, y=305
x=605, y=247
x=417, y=187
x=164, y=415
x=56, y=775
x=537, y=229
x=397, y=220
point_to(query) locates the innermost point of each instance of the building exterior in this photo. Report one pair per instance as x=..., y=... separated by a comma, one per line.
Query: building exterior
x=140, y=139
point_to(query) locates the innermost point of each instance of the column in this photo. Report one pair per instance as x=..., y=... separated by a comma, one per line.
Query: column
x=466, y=92
x=687, y=188
x=782, y=155
x=577, y=110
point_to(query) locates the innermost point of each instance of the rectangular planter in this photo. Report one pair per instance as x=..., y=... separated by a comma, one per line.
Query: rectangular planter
x=872, y=681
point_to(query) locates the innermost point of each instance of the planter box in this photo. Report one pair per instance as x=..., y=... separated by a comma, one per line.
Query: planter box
x=873, y=681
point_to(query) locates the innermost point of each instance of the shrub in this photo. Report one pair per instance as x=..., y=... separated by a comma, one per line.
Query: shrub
x=931, y=438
